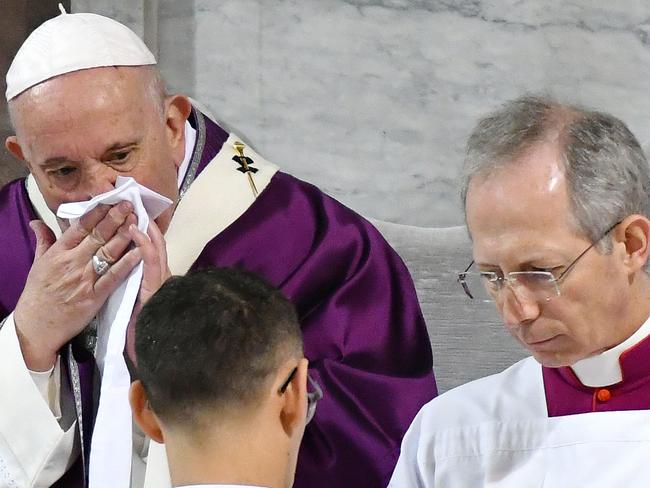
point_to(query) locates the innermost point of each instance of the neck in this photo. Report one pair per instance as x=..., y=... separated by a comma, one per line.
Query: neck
x=637, y=308
x=604, y=369
x=243, y=455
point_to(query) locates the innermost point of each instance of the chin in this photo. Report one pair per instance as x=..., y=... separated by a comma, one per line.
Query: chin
x=556, y=359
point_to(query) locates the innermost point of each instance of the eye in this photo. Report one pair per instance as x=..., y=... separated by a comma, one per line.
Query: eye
x=489, y=276
x=119, y=157
x=551, y=270
x=63, y=171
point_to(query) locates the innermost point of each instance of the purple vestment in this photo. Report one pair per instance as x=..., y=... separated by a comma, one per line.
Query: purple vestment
x=363, y=330
x=566, y=395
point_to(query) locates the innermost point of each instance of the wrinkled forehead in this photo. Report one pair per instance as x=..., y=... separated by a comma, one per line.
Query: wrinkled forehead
x=80, y=97
x=82, y=114
x=528, y=198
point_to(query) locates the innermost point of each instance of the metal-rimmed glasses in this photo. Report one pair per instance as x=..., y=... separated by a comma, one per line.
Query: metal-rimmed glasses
x=536, y=285
x=312, y=396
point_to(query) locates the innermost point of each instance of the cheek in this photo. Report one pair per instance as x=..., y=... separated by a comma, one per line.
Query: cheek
x=157, y=176
x=581, y=320
x=598, y=297
x=52, y=195
x=514, y=333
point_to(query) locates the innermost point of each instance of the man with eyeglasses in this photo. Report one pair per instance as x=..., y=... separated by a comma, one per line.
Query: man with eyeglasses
x=557, y=204
x=235, y=412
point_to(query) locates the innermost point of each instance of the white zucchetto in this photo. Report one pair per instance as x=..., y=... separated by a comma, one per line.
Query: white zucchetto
x=72, y=42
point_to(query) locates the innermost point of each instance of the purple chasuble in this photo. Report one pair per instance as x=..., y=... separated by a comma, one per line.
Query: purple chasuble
x=363, y=330
x=566, y=395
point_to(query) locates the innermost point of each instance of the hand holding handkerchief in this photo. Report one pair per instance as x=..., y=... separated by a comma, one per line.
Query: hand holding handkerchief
x=110, y=459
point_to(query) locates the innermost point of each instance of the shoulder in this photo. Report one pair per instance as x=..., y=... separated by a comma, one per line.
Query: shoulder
x=15, y=208
x=517, y=392
x=12, y=194
x=453, y=423
x=17, y=242
x=319, y=205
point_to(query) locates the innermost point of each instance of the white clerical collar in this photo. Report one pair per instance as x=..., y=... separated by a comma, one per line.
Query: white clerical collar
x=605, y=369
x=190, y=141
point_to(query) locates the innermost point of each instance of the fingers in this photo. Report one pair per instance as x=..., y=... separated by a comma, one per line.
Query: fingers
x=154, y=256
x=151, y=273
x=78, y=231
x=117, y=273
x=113, y=220
x=161, y=247
x=96, y=227
x=116, y=246
x=44, y=237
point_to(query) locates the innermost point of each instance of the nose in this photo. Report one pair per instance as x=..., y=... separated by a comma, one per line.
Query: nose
x=99, y=179
x=516, y=306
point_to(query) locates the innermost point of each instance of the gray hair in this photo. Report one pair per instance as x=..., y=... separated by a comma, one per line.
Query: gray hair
x=156, y=89
x=607, y=173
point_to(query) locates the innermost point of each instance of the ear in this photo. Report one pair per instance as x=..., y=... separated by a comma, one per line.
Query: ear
x=13, y=146
x=293, y=412
x=142, y=413
x=177, y=110
x=635, y=234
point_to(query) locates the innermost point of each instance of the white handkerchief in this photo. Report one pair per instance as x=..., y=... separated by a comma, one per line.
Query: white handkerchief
x=110, y=458
x=126, y=188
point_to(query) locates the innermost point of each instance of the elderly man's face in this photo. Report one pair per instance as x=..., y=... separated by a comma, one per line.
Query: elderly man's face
x=519, y=220
x=79, y=131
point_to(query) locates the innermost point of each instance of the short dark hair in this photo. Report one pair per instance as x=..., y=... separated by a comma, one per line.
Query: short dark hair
x=211, y=340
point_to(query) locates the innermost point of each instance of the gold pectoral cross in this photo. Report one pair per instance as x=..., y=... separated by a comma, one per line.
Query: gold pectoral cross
x=245, y=163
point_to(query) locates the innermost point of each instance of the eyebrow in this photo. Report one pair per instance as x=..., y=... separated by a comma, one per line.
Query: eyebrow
x=55, y=161
x=529, y=263
x=121, y=145
x=62, y=159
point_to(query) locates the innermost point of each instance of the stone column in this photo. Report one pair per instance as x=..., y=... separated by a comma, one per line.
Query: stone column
x=20, y=17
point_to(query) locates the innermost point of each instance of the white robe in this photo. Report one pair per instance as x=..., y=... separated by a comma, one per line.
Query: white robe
x=495, y=432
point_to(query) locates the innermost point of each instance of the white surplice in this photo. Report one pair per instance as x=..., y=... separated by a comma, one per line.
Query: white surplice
x=495, y=432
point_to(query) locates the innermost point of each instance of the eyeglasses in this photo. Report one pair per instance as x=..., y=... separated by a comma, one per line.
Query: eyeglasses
x=534, y=285
x=312, y=396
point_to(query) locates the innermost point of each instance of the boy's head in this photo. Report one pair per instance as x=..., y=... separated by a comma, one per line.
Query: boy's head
x=220, y=361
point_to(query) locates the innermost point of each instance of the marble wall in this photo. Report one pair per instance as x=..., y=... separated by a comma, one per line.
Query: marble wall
x=372, y=99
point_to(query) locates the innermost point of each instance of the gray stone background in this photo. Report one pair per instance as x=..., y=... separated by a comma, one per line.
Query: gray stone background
x=17, y=19
x=372, y=100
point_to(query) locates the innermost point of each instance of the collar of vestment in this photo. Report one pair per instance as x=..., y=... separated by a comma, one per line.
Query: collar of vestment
x=616, y=380
x=627, y=361
x=190, y=142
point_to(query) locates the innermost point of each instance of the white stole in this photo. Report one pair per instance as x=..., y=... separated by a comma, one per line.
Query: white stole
x=110, y=456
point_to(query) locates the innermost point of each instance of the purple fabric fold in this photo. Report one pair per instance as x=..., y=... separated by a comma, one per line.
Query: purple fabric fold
x=17, y=243
x=363, y=329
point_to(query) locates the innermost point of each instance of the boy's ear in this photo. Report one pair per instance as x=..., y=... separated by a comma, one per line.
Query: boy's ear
x=142, y=413
x=294, y=405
